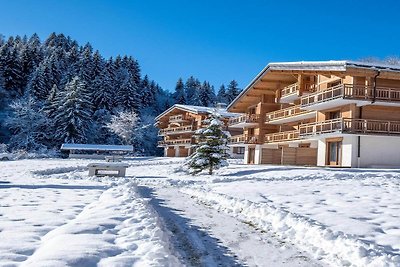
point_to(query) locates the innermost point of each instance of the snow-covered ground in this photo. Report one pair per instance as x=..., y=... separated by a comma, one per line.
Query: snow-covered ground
x=51, y=213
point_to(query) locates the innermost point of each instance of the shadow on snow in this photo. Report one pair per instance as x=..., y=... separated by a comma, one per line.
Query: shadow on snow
x=195, y=245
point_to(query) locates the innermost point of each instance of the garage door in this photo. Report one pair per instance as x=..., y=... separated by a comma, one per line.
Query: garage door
x=170, y=152
x=271, y=156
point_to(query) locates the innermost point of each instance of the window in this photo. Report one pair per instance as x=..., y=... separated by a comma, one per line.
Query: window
x=334, y=115
x=305, y=145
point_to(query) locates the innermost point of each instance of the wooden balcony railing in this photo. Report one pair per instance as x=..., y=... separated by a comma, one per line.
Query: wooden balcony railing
x=244, y=139
x=281, y=136
x=181, y=129
x=175, y=142
x=349, y=91
x=286, y=113
x=352, y=126
x=290, y=89
x=252, y=139
x=237, y=139
x=177, y=118
x=247, y=118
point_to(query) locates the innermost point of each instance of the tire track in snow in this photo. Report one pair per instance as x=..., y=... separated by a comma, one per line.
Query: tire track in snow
x=206, y=237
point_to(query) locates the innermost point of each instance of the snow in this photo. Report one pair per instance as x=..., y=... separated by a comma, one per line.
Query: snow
x=57, y=216
x=341, y=217
x=52, y=213
x=199, y=109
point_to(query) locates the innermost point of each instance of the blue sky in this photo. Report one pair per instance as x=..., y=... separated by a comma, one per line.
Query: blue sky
x=214, y=40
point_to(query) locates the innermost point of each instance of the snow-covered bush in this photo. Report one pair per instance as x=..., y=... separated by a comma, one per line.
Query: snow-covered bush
x=211, y=149
x=3, y=148
x=124, y=125
x=27, y=124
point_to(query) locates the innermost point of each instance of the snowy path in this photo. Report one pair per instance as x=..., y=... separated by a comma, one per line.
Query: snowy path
x=114, y=230
x=52, y=214
x=206, y=237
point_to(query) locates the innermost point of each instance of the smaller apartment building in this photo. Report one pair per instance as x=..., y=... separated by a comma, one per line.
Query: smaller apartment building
x=178, y=124
x=329, y=113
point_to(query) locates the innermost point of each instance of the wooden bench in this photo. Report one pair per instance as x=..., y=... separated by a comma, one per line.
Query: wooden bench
x=116, y=169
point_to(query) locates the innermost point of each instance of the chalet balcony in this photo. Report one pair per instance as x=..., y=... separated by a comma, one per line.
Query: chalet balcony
x=343, y=94
x=174, y=142
x=237, y=139
x=244, y=139
x=290, y=93
x=178, y=118
x=247, y=120
x=287, y=115
x=282, y=137
x=351, y=126
x=176, y=130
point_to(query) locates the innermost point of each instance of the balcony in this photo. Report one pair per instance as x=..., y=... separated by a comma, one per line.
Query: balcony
x=351, y=126
x=290, y=114
x=247, y=120
x=176, y=130
x=244, y=139
x=290, y=93
x=343, y=94
x=237, y=139
x=174, y=142
x=178, y=118
x=282, y=137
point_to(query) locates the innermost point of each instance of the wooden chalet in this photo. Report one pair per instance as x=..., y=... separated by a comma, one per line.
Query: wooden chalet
x=178, y=124
x=326, y=113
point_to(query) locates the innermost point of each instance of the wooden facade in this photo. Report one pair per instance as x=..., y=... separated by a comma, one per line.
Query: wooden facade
x=178, y=124
x=291, y=111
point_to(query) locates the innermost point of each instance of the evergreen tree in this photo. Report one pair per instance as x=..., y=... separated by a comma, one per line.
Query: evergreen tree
x=145, y=91
x=50, y=105
x=211, y=147
x=206, y=95
x=11, y=67
x=73, y=115
x=103, y=90
x=192, y=87
x=232, y=92
x=221, y=96
x=179, y=94
x=41, y=75
x=98, y=64
x=129, y=97
x=86, y=65
x=38, y=85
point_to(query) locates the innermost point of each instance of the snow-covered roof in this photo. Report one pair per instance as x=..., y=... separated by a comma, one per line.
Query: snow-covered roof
x=199, y=110
x=94, y=147
x=330, y=65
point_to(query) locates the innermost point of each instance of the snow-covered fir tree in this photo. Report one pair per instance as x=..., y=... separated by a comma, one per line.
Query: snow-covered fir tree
x=207, y=95
x=40, y=71
x=73, y=116
x=221, y=95
x=211, y=149
x=232, y=92
x=179, y=94
x=192, y=88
